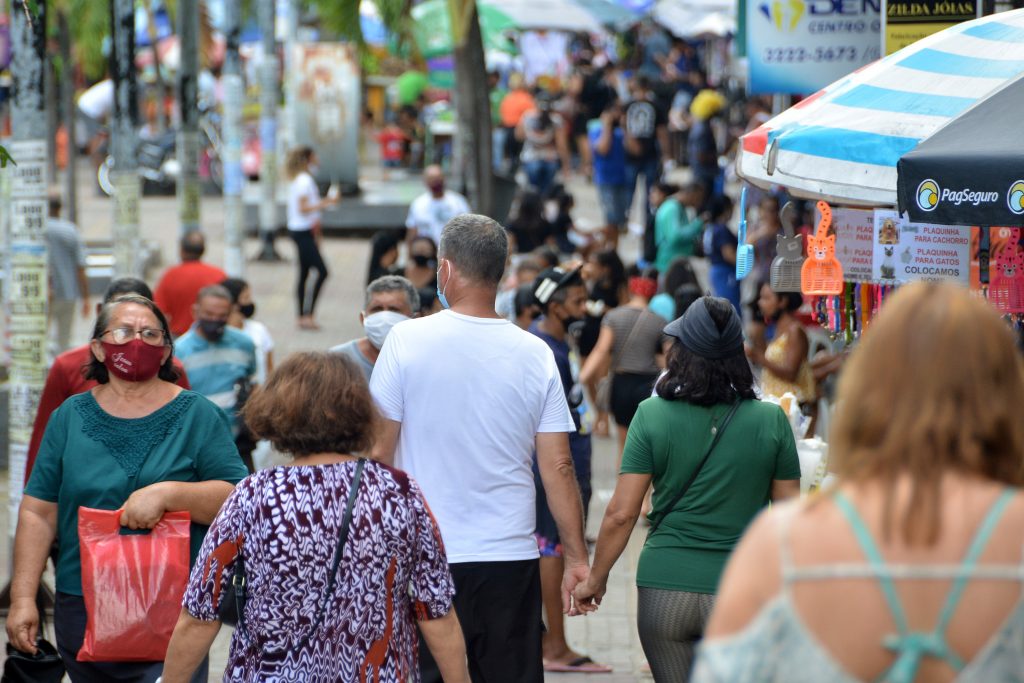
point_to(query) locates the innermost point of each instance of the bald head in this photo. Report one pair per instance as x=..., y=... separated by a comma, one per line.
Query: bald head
x=193, y=245
x=433, y=178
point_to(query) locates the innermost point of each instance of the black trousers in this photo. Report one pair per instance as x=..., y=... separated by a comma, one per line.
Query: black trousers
x=309, y=259
x=69, y=618
x=499, y=608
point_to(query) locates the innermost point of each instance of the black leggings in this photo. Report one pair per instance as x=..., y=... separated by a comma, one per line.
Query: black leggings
x=670, y=624
x=309, y=258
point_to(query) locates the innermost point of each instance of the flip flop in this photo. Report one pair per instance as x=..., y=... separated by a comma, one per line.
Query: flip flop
x=583, y=665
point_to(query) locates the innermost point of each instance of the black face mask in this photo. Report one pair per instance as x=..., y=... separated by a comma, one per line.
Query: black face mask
x=247, y=310
x=213, y=330
x=421, y=260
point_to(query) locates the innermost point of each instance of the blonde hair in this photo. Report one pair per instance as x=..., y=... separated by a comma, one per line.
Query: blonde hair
x=936, y=387
x=297, y=161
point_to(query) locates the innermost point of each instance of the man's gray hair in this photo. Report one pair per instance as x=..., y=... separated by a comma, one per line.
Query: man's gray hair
x=393, y=283
x=215, y=291
x=478, y=245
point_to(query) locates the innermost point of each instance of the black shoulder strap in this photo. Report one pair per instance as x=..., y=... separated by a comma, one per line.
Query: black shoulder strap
x=346, y=524
x=693, y=477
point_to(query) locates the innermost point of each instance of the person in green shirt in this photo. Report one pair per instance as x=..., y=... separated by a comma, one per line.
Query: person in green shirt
x=677, y=224
x=137, y=443
x=701, y=505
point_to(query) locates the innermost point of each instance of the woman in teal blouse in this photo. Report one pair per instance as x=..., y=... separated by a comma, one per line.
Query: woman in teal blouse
x=138, y=443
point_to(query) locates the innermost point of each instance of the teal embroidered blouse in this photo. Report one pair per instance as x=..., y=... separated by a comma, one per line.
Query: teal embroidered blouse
x=93, y=459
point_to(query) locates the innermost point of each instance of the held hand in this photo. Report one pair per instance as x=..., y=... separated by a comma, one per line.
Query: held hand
x=23, y=625
x=575, y=575
x=144, y=508
x=588, y=595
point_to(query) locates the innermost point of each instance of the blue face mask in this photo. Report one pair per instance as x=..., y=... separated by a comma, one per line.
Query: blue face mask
x=440, y=294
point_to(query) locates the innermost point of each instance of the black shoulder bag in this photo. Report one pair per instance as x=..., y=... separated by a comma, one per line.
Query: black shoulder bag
x=237, y=587
x=693, y=477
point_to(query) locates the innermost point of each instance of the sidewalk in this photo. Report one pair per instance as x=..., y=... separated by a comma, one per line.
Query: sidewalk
x=609, y=636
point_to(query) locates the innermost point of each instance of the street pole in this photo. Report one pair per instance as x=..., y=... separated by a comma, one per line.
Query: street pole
x=269, y=94
x=26, y=287
x=234, y=94
x=67, y=96
x=188, y=101
x=123, y=140
x=291, y=27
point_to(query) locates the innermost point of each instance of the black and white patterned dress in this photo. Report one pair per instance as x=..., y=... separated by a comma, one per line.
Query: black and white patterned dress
x=393, y=572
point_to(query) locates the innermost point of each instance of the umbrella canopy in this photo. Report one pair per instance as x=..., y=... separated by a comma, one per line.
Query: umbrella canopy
x=843, y=143
x=433, y=32
x=970, y=172
x=609, y=13
x=554, y=15
x=690, y=18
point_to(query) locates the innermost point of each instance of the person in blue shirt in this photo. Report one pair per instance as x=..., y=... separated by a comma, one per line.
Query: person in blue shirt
x=220, y=360
x=720, y=246
x=562, y=297
x=607, y=143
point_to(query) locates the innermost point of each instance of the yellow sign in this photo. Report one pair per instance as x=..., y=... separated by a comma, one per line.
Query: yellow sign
x=907, y=22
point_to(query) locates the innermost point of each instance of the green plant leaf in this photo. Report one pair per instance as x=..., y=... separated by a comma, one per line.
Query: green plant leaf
x=6, y=158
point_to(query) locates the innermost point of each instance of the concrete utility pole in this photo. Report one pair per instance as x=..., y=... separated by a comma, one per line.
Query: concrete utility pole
x=67, y=97
x=124, y=139
x=187, y=147
x=234, y=95
x=270, y=92
x=26, y=288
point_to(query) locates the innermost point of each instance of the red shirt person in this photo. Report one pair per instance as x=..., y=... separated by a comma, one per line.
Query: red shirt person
x=177, y=290
x=65, y=377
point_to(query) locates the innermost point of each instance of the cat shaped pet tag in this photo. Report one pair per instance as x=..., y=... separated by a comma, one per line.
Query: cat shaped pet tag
x=822, y=274
x=789, y=254
x=1006, y=291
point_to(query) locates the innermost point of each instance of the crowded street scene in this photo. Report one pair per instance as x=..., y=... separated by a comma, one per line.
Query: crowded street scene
x=512, y=341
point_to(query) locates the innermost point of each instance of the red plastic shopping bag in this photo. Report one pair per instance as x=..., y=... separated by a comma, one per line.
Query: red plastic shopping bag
x=132, y=585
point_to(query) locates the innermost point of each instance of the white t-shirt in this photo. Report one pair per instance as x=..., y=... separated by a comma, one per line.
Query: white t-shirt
x=302, y=186
x=98, y=101
x=472, y=394
x=428, y=215
x=264, y=344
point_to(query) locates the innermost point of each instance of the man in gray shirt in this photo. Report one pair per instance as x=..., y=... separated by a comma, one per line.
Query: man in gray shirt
x=68, y=281
x=389, y=300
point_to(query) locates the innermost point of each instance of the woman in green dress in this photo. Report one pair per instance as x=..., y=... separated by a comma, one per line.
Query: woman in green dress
x=136, y=443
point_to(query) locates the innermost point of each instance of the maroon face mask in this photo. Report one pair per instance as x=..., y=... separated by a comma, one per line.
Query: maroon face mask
x=135, y=361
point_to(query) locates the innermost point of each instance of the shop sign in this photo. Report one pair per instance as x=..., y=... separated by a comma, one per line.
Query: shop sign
x=908, y=21
x=906, y=252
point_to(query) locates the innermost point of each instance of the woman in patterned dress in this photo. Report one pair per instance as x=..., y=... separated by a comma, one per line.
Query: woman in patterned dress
x=286, y=521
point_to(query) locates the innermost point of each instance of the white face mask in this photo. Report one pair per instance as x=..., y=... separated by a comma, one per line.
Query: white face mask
x=378, y=325
x=551, y=211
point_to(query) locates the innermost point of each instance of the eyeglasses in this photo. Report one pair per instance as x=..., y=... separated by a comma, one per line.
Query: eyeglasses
x=123, y=335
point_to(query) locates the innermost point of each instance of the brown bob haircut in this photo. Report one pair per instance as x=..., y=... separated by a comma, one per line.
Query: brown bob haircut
x=313, y=403
x=935, y=388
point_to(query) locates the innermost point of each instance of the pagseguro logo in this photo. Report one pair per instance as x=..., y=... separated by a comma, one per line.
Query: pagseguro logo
x=1015, y=197
x=928, y=195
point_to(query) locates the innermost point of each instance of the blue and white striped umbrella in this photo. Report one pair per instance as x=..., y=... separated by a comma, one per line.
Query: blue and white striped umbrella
x=842, y=143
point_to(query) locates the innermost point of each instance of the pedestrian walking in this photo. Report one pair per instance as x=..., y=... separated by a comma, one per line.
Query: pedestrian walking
x=909, y=569
x=177, y=290
x=628, y=351
x=562, y=297
x=342, y=559
x=421, y=266
x=606, y=139
x=679, y=225
x=716, y=456
x=545, y=137
x=470, y=447
x=720, y=247
x=304, y=226
x=69, y=285
x=220, y=360
x=136, y=443
x=430, y=211
x=646, y=139
x=65, y=378
x=389, y=300
x=243, y=311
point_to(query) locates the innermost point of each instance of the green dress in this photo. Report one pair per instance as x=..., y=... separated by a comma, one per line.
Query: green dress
x=667, y=439
x=93, y=459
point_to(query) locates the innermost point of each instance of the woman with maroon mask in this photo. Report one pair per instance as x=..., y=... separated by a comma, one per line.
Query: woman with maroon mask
x=137, y=443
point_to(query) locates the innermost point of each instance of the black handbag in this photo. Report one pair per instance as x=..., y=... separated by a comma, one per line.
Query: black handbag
x=232, y=605
x=45, y=666
x=686, y=487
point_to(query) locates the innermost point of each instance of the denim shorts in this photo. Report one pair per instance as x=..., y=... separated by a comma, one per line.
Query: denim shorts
x=614, y=203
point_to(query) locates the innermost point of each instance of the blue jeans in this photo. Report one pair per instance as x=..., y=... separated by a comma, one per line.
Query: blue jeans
x=541, y=174
x=650, y=170
x=725, y=284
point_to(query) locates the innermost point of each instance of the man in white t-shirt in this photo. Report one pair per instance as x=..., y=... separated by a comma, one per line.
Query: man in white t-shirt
x=431, y=211
x=466, y=396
